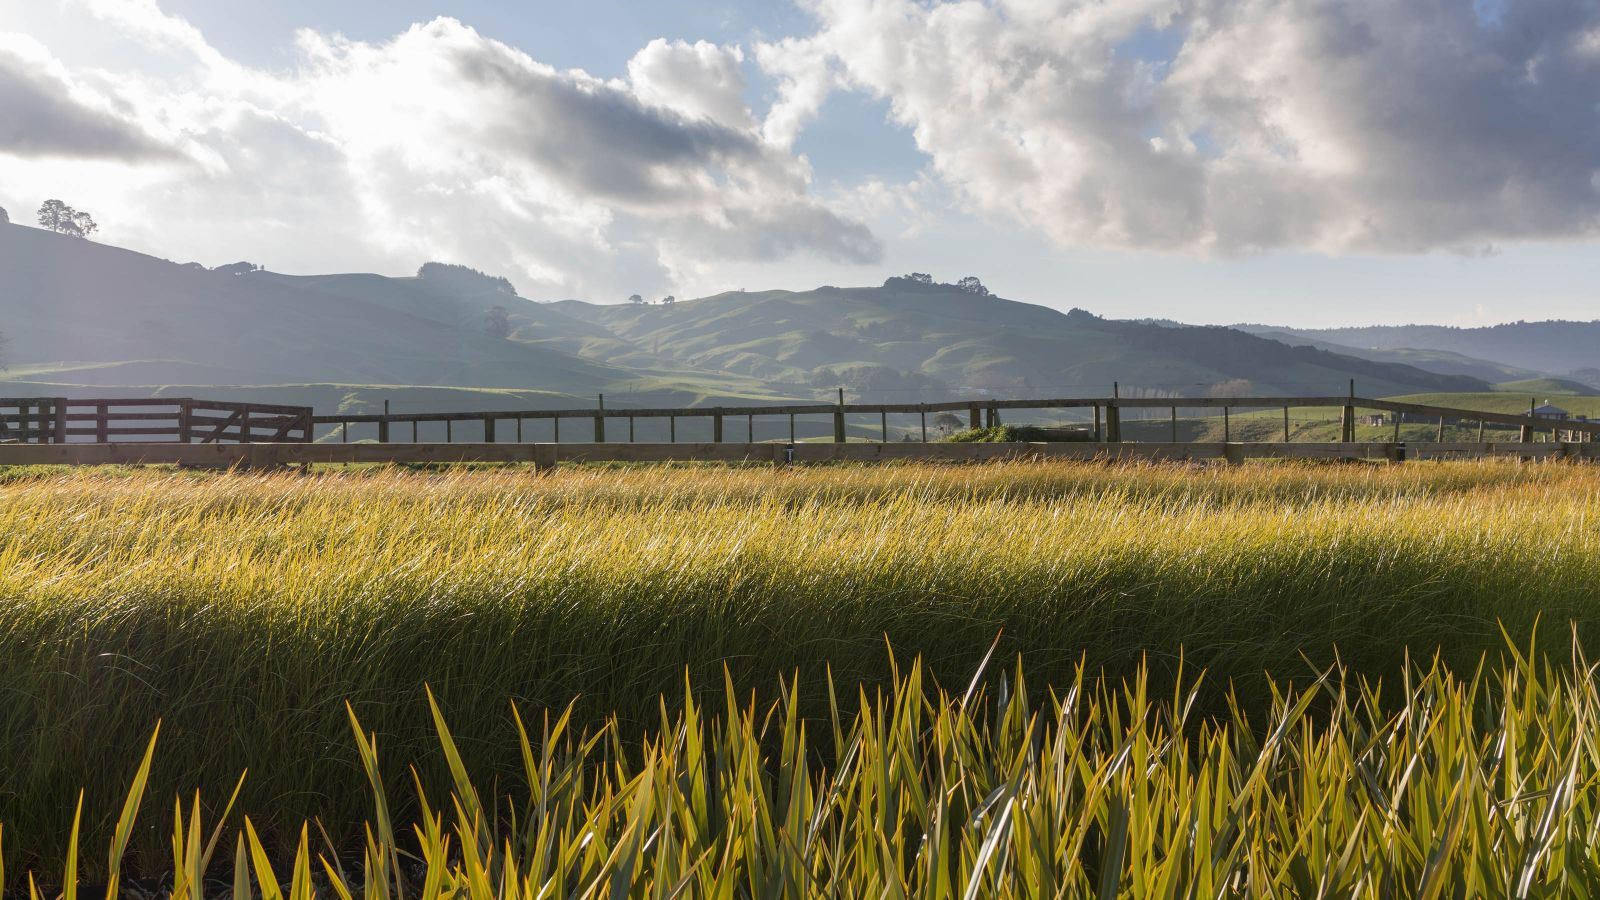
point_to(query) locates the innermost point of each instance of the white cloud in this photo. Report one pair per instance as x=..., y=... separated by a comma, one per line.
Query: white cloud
x=1335, y=126
x=700, y=80
x=441, y=143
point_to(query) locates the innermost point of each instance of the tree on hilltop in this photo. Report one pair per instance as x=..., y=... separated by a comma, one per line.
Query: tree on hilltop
x=465, y=278
x=636, y=300
x=5, y=219
x=972, y=285
x=668, y=300
x=63, y=219
x=239, y=268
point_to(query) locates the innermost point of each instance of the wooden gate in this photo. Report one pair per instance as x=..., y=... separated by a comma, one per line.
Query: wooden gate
x=60, y=420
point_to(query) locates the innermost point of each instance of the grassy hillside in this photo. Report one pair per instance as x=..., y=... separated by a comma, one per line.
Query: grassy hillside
x=1442, y=362
x=83, y=318
x=965, y=342
x=1556, y=347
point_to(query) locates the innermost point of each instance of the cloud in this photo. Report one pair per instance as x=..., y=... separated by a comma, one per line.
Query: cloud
x=1259, y=124
x=442, y=143
x=700, y=80
x=43, y=113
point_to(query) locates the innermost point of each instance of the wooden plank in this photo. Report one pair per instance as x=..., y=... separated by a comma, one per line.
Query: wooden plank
x=216, y=433
x=265, y=453
x=97, y=432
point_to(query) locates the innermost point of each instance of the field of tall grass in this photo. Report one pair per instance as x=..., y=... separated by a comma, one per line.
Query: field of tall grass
x=243, y=612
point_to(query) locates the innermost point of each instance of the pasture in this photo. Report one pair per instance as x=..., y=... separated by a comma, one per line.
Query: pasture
x=243, y=612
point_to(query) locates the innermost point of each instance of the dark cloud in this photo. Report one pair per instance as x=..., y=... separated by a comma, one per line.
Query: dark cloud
x=40, y=117
x=596, y=137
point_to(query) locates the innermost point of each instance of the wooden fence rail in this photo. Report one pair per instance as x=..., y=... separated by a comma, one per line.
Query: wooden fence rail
x=543, y=455
x=1106, y=428
x=184, y=420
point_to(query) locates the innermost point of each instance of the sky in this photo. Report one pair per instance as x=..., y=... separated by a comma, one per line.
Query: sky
x=1289, y=162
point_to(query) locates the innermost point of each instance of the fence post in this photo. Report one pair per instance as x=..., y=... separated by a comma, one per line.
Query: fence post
x=101, y=414
x=972, y=416
x=185, y=423
x=1348, y=424
x=1174, y=424
x=1440, y=437
x=923, y=412
x=883, y=421
x=672, y=429
x=1286, y=423
x=555, y=423
x=716, y=426
x=1227, y=427
x=383, y=425
x=244, y=423
x=750, y=429
x=791, y=428
x=1097, y=437
x=600, y=422
x=630, y=429
x=488, y=430
x=1113, y=422
x=838, y=419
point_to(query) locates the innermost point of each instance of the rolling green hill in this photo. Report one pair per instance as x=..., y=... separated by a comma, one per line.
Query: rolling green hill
x=1554, y=347
x=86, y=319
x=966, y=342
x=1443, y=362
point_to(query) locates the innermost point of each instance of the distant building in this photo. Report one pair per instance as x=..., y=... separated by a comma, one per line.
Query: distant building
x=1372, y=419
x=1550, y=411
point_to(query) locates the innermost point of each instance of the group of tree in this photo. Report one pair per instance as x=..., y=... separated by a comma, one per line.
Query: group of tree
x=969, y=284
x=638, y=300
x=464, y=278
x=239, y=268
x=63, y=219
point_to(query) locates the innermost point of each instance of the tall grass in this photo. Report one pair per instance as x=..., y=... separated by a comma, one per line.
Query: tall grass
x=1474, y=786
x=244, y=611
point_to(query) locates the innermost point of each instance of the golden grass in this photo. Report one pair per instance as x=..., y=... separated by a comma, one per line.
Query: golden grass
x=244, y=611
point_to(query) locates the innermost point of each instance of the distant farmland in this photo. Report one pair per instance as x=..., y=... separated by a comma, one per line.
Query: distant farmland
x=243, y=612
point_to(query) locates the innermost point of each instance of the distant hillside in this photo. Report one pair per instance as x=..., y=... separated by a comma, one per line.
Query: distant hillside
x=1442, y=362
x=85, y=318
x=1548, y=387
x=1555, y=347
x=965, y=341
x=78, y=313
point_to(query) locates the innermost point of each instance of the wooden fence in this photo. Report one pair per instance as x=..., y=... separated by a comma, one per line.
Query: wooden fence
x=1107, y=418
x=545, y=455
x=60, y=420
